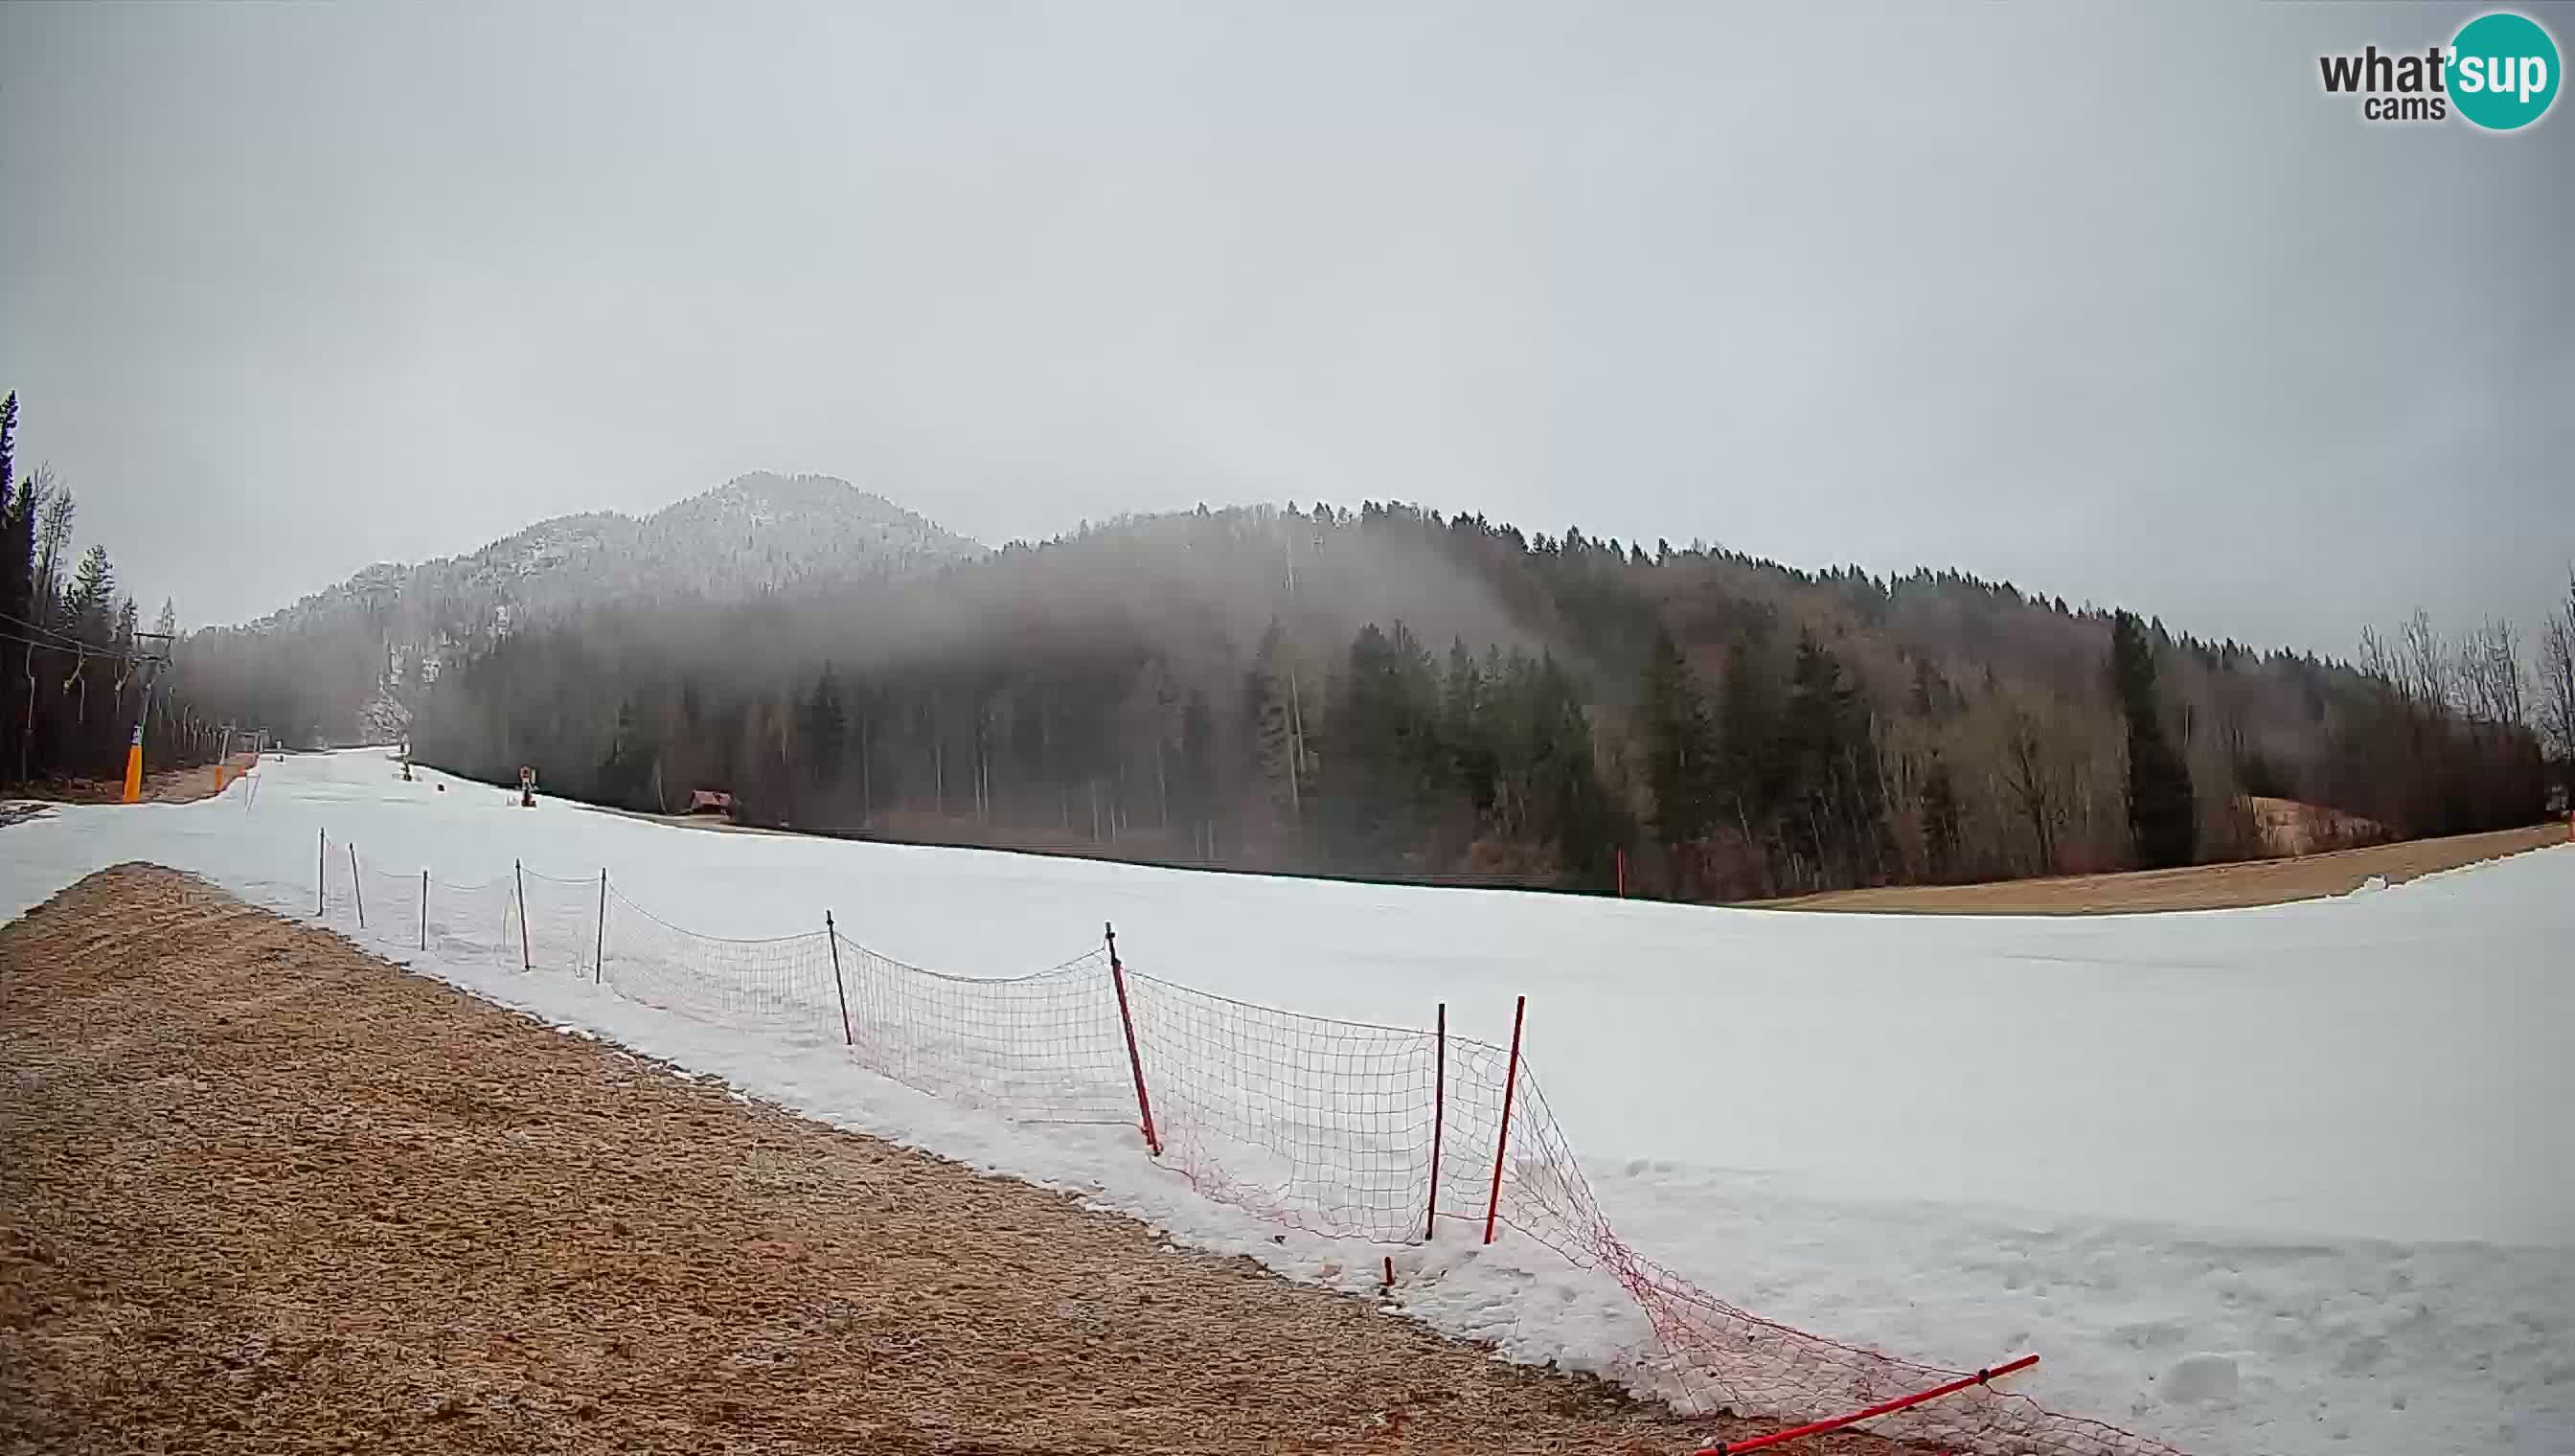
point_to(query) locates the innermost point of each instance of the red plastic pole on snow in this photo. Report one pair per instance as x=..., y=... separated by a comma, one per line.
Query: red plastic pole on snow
x=1884, y=1407
x=355, y=890
x=321, y=870
x=1502, y=1145
x=1438, y=1115
x=1135, y=1059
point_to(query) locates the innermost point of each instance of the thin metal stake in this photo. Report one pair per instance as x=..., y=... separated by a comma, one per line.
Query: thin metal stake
x=832, y=933
x=1438, y=1116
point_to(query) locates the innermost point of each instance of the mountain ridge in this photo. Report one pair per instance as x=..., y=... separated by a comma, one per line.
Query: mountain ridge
x=756, y=499
x=374, y=642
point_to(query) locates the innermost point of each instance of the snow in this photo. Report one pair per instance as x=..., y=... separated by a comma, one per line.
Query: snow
x=2293, y=1180
x=2200, y=1378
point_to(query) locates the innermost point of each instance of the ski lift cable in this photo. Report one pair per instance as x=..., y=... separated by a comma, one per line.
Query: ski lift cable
x=74, y=645
x=59, y=638
x=47, y=637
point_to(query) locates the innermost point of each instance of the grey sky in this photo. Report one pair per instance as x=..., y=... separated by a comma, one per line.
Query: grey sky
x=2110, y=301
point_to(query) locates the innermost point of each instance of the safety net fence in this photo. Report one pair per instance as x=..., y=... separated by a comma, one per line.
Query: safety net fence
x=1347, y=1130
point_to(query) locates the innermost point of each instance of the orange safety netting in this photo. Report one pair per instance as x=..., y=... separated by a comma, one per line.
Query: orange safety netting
x=1342, y=1128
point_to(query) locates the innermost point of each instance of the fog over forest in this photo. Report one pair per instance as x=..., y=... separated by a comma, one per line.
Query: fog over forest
x=1389, y=692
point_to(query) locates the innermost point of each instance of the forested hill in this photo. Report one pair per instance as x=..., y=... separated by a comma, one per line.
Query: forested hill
x=369, y=645
x=1392, y=692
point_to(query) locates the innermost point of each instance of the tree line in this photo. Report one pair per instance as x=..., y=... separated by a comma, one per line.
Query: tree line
x=76, y=668
x=1395, y=693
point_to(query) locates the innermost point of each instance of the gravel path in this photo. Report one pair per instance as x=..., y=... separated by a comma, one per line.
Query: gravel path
x=260, y=1191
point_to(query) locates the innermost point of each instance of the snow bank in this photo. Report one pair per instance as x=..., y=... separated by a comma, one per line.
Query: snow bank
x=2322, y=1144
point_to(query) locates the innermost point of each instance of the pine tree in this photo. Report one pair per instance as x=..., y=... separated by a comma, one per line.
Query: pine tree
x=1834, y=814
x=1567, y=805
x=93, y=589
x=2163, y=817
x=1382, y=763
x=1198, y=794
x=1680, y=752
x=624, y=775
x=822, y=734
x=1465, y=729
x=1747, y=739
x=167, y=623
x=1272, y=709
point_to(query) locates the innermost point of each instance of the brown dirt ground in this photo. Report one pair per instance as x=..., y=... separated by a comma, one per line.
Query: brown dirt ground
x=262, y=1192
x=168, y=785
x=2193, y=887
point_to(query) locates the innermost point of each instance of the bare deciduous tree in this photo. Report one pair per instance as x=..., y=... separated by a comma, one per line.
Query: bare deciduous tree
x=2488, y=675
x=53, y=537
x=2029, y=779
x=2557, y=679
x=2425, y=665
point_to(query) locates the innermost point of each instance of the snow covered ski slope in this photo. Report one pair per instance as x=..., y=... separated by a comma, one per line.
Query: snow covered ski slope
x=2296, y=1180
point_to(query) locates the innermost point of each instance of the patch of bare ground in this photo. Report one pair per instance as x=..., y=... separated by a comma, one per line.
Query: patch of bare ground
x=2191, y=887
x=162, y=786
x=262, y=1192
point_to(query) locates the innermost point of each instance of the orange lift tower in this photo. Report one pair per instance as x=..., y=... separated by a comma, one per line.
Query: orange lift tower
x=154, y=655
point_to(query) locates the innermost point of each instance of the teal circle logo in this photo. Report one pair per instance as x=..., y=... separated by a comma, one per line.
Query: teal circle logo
x=2503, y=71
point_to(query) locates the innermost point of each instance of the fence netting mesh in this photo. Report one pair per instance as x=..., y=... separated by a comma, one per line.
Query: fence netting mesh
x=1323, y=1125
x=549, y=924
x=1043, y=1047
x=1317, y=1124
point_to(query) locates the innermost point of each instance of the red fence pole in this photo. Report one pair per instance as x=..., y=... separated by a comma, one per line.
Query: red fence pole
x=321, y=870
x=424, y=910
x=1438, y=1115
x=599, y=947
x=1502, y=1145
x=518, y=872
x=1135, y=1059
x=1884, y=1407
x=357, y=891
x=832, y=933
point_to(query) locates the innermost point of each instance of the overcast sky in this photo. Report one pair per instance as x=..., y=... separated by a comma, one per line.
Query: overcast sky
x=2109, y=301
